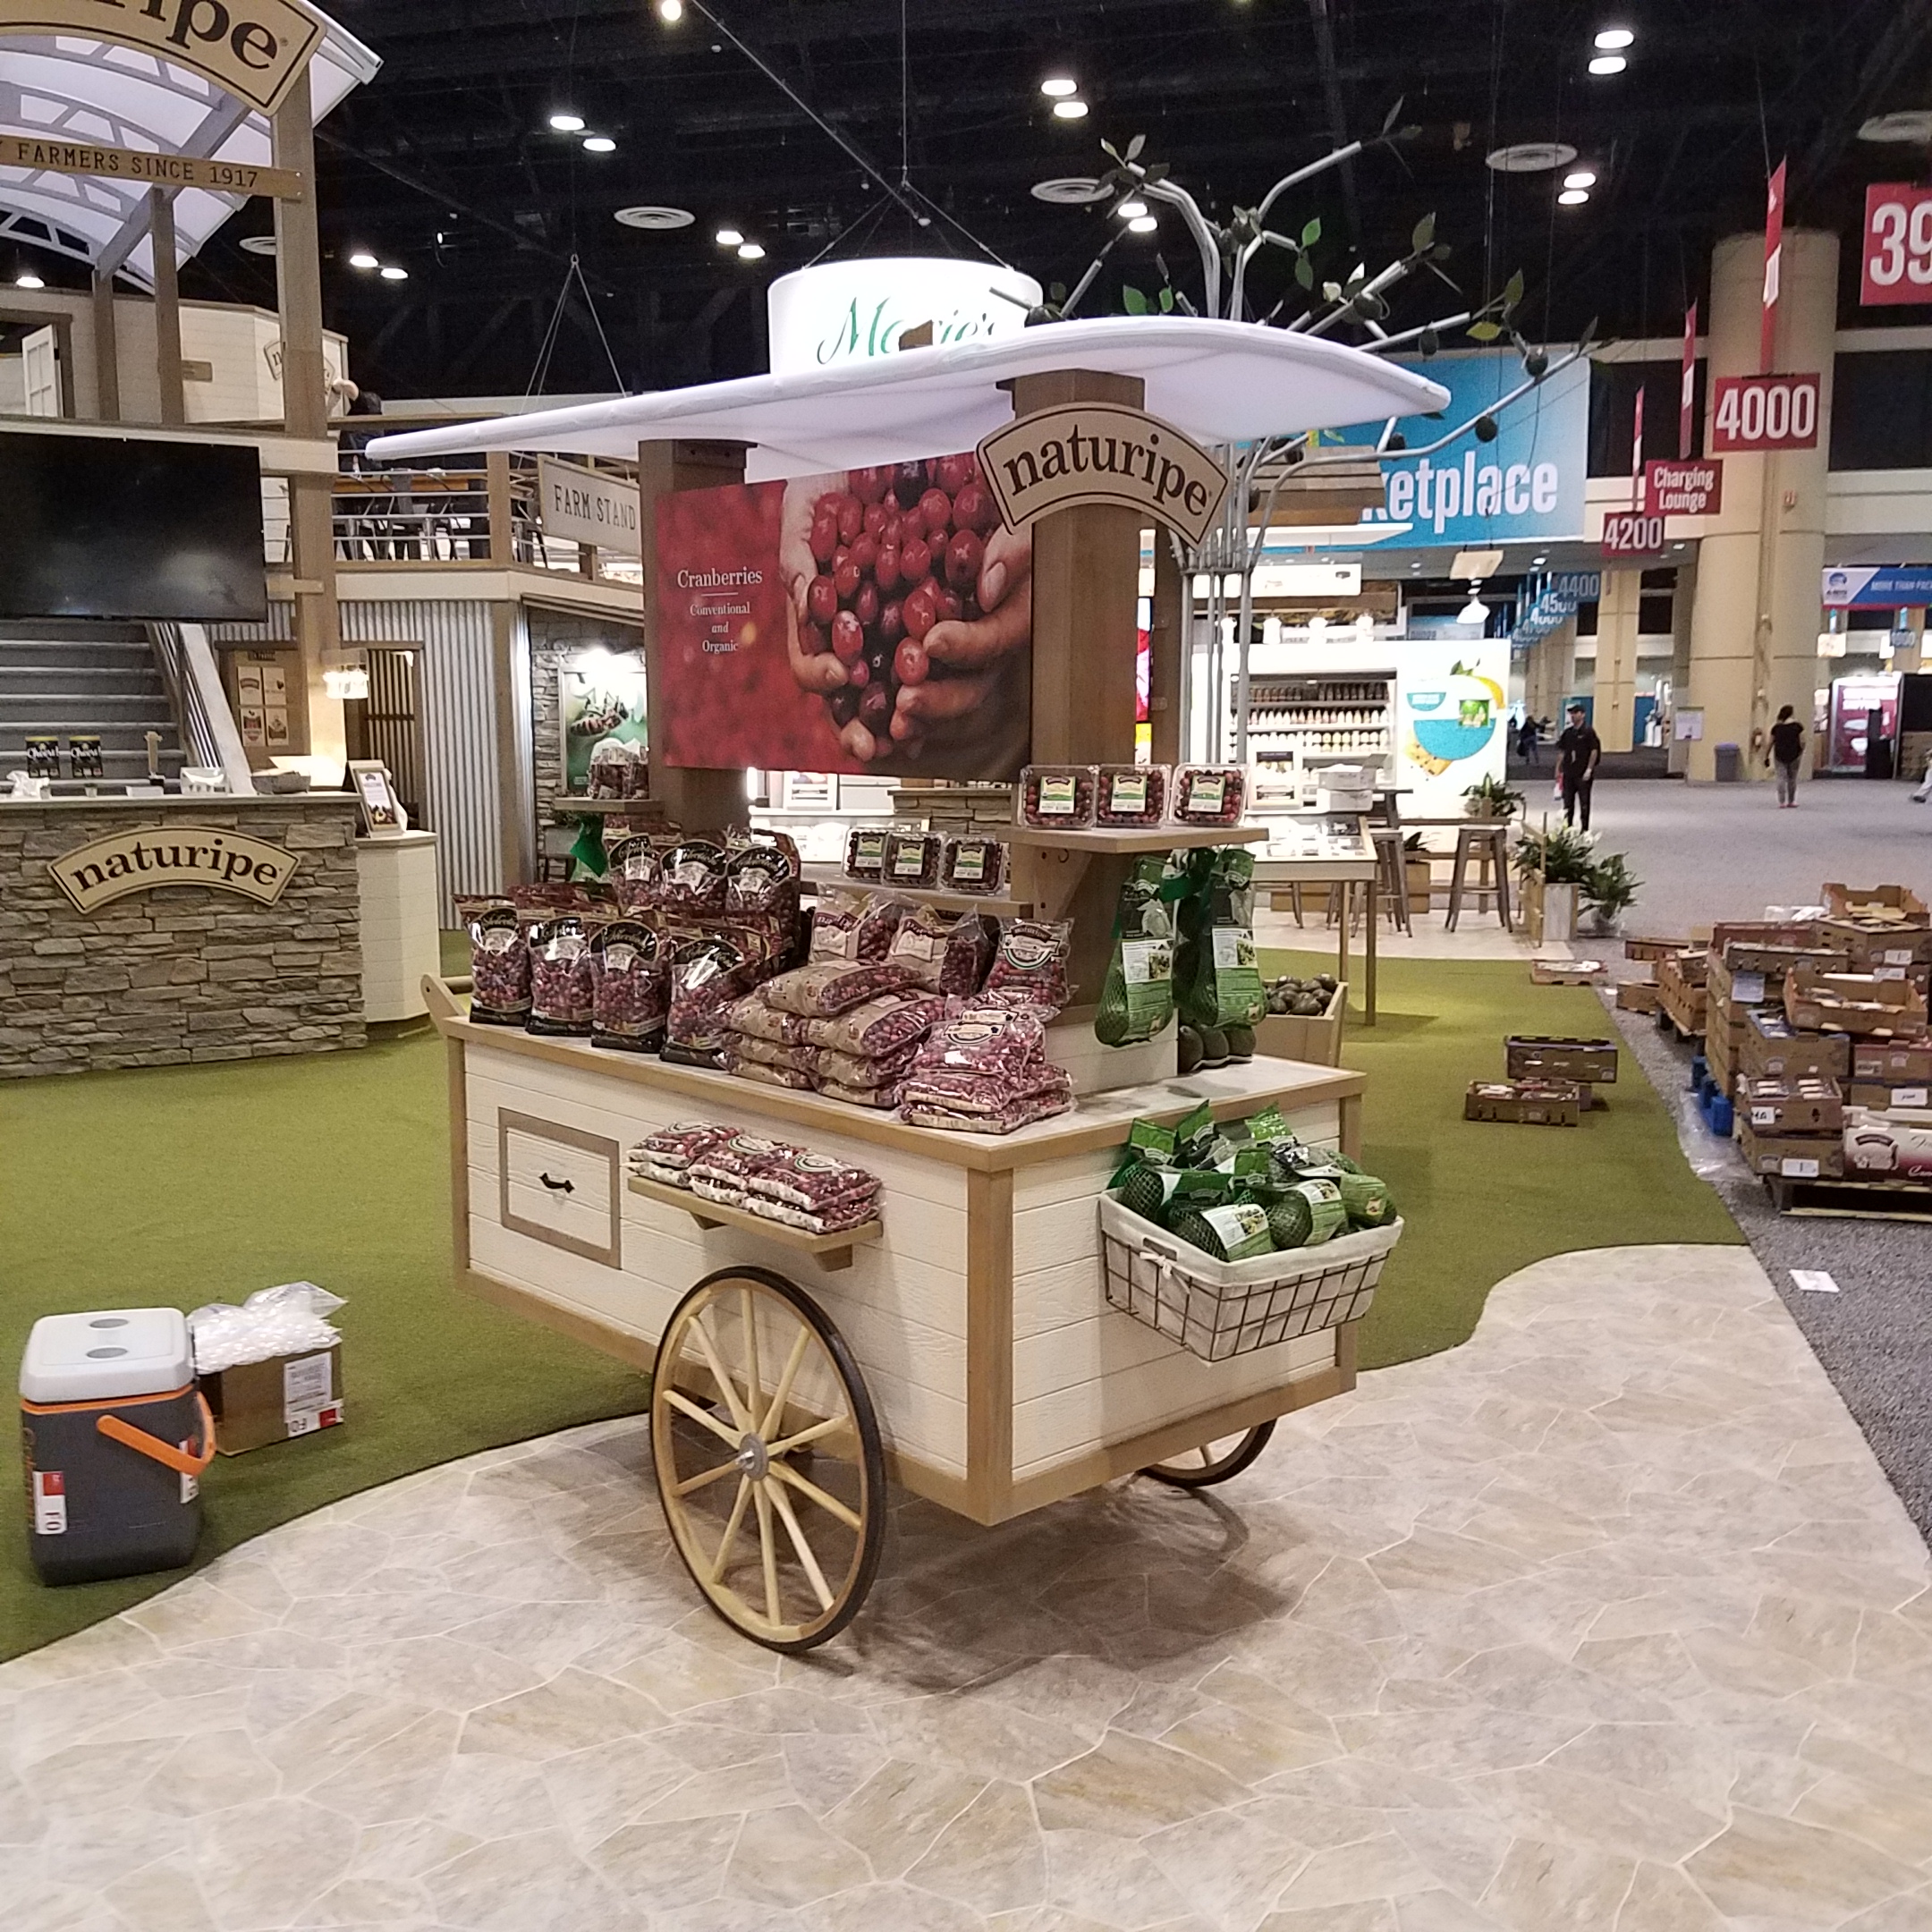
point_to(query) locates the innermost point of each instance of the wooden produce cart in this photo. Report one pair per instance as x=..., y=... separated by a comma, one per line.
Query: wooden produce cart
x=962, y=1346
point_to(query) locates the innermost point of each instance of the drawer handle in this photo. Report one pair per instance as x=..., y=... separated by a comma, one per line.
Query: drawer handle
x=557, y=1187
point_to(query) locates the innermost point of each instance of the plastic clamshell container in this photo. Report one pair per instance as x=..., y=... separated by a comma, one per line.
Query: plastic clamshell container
x=1209, y=794
x=1057, y=797
x=973, y=864
x=1131, y=794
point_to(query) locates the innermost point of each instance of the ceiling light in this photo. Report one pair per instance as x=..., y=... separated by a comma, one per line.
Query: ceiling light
x=670, y=12
x=1143, y=225
x=1531, y=157
x=393, y=273
x=649, y=215
x=258, y=244
x=1582, y=178
x=730, y=238
x=1608, y=63
x=362, y=258
x=567, y=124
x=1612, y=38
x=1539, y=559
x=1070, y=191
x=1475, y=611
x=1913, y=124
x=1058, y=87
x=599, y=144
x=1070, y=110
x=1572, y=197
x=1132, y=209
x=752, y=251
x=28, y=279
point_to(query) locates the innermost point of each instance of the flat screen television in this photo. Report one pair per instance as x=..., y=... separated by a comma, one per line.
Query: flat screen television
x=119, y=527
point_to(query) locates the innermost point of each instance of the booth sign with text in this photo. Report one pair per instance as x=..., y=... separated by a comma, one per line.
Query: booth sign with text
x=149, y=856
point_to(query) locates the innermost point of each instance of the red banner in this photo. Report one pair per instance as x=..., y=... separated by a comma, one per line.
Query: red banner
x=877, y=620
x=1687, y=388
x=1692, y=488
x=1764, y=412
x=1773, y=269
x=1896, y=261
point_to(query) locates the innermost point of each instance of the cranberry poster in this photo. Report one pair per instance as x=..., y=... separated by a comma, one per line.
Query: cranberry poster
x=877, y=620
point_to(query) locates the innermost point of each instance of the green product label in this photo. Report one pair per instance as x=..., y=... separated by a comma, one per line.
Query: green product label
x=1242, y=1227
x=1058, y=796
x=1250, y=1161
x=1125, y=794
x=1199, y=1125
x=969, y=864
x=1325, y=1201
x=1151, y=1137
x=870, y=847
x=1207, y=792
x=1146, y=969
x=1269, y=1126
x=1199, y=1183
x=1239, y=995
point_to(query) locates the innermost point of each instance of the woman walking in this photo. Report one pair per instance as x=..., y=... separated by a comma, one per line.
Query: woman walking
x=1786, y=753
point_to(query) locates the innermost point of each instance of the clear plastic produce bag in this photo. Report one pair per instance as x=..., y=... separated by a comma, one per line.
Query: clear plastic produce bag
x=290, y=1319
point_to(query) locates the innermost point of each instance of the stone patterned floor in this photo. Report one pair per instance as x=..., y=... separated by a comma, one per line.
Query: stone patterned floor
x=1605, y=1622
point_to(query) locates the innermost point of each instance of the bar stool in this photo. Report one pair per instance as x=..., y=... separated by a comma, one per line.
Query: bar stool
x=1392, y=875
x=1489, y=845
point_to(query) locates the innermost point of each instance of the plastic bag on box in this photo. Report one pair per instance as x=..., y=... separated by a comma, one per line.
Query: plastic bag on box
x=289, y=1319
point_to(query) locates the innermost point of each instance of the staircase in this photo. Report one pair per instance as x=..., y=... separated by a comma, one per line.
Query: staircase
x=60, y=678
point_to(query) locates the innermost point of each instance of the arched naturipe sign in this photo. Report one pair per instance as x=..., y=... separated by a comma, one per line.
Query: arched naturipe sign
x=153, y=856
x=1102, y=453
x=254, y=49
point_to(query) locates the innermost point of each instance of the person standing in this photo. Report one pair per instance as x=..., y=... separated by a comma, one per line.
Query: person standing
x=1786, y=754
x=1578, y=752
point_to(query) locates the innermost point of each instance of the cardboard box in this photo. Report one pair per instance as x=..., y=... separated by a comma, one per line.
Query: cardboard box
x=1685, y=999
x=1774, y=935
x=1895, y=904
x=1720, y=1060
x=1316, y=1039
x=1795, y=1106
x=1747, y=964
x=1636, y=995
x=1650, y=949
x=1535, y=1056
x=270, y=1402
x=1907, y=1062
x=1526, y=1103
x=1852, y=1002
x=1566, y=972
x=1793, y=1156
x=1896, y=1146
x=1875, y=946
x=1771, y=1048
x=1884, y=1097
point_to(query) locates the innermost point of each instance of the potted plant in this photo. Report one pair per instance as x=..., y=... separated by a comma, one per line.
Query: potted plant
x=1554, y=865
x=1418, y=873
x=1491, y=800
x=1609, y=891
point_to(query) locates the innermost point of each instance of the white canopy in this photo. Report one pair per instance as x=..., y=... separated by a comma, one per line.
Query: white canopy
x=1220, y=382
x=57, y=87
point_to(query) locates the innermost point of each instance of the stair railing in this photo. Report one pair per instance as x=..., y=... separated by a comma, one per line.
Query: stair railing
x=208, y=731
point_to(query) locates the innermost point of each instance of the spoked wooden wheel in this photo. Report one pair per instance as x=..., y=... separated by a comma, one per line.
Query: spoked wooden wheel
x=769, y=1458
x=1212, y=1462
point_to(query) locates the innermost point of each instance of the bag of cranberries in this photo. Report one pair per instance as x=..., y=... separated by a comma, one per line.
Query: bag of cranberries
x=946, y=951
x=707, y=977
x=855, y=926
x=693, y=880
x=628, y=1005
x=499, y=967
x=562, y=977
x=1030, y=967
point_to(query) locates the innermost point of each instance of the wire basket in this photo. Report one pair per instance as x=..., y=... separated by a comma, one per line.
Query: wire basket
x=1217, y=1310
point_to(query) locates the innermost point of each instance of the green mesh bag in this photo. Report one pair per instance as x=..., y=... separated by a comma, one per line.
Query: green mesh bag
x=1307, y=1214
x=1365, y=1197
x=1233, y=1232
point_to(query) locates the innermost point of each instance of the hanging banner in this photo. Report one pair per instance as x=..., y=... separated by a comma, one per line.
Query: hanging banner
x=1773, y=265
x=1896, y=263
x=1450, y=720
x=1885, y=587
x=1764, y=412
x=1527, y=484
x=1691, y=488
x=876, y=619
x=1102, y=453
x=580, y=506
x=1687, y=387
x=254, y=49
x=852, y=311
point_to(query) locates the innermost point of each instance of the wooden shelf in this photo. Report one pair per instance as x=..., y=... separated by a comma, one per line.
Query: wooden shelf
x=1001, y=905
x=1118, y=840
x=607, y=808
x=830, y=1250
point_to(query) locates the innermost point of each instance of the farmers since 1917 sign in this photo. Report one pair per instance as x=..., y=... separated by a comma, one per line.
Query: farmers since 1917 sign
x=149, y=856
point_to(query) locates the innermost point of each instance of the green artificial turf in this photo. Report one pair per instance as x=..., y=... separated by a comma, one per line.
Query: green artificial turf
x=1483, y=1200
x=189, y=1184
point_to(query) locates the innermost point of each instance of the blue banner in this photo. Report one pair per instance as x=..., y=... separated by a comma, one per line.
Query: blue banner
x=1527, y=486
x=1883, y=587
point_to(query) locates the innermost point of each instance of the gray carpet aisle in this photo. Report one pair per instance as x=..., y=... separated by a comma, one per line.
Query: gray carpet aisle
x=1874, y=1336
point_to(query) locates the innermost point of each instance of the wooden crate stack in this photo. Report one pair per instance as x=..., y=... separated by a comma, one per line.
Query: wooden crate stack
x=1680, y=990
x=1640, y=995
x=1746, y=966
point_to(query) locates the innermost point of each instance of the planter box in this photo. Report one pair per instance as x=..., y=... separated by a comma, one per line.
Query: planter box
x=1316, y=1039
x=1419, y=876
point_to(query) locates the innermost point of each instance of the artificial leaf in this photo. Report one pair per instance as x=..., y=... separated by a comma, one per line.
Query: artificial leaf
x=1331, y=291
x=1424, y=236
x=1304, y=272
x=1058, y=292
x=1107, y=146
x=1311, y=231
x=1166, y=301
x=1135, y=146
x=1442, y=251
x=1134, y=300
x=1429, y=341
x=1393, y=114
x=1513, y=290
x=1484, y=331
x=1156, y=171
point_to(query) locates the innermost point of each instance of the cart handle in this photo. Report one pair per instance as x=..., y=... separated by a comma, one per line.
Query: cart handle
x=167, y=1453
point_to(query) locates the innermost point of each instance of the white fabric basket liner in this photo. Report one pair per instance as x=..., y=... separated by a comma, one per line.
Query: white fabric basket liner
x=1220, y=1309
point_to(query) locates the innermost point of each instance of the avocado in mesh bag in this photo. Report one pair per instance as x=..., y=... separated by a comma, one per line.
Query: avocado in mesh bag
x=1365, y=1197
x=1307, y=1215
x=1233, y=1231
x=1137, y=996
x=1217, y=975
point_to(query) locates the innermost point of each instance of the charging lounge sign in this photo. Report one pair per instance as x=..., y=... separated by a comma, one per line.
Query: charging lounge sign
x=154, y=856
x=254, y=49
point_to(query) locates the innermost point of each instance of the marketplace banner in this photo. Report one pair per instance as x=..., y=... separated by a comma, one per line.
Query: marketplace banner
x=1527, y=485
x=878, y=620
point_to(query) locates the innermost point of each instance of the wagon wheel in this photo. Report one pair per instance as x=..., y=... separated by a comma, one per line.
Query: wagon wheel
x=1214, y=1462
x=753, y=1385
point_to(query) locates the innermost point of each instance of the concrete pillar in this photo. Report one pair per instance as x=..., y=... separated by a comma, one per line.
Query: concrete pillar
x=1617, y=659
x=1754, y=621
x=1549, y=673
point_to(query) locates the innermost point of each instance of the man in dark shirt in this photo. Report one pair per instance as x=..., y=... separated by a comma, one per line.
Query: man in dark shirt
x=1578, y=751
x=1787, y=752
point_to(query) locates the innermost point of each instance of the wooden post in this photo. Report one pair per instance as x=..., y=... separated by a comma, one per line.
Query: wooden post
x=167, y=306
x=106, y=354
x=699, y=800
x=516, y=831
x=1167, y=654
x=502, y=508
x=305, y=414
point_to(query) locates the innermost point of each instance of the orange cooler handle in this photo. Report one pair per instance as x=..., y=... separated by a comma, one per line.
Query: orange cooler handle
x=152, y=1446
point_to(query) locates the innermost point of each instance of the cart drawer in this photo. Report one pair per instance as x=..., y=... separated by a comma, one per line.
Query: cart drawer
x=559, y=1184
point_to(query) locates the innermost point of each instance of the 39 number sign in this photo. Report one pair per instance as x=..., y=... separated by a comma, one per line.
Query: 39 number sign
x=1764, y=412
x=1633, y=536
x=1897, y=265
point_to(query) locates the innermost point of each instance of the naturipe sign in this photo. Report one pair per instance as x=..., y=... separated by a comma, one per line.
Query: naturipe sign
x=154, y=856
x=1691, y=488
x=1100, y=452
x=1764, y=412
x=254, y=49
x=1633, y=536
x=1897, y=265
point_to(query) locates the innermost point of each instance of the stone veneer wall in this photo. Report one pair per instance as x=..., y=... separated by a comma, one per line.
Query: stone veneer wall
x=184, y=973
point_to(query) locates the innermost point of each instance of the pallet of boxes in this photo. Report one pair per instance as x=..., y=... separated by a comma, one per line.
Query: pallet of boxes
x=1746, y=965
x=1640, y=995
x=1547, y=1082
x=1682, y=991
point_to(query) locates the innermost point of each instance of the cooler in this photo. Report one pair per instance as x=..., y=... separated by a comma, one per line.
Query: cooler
x=114, y=1436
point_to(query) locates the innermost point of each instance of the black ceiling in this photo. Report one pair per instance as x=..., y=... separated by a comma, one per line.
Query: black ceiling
x=446, y=166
